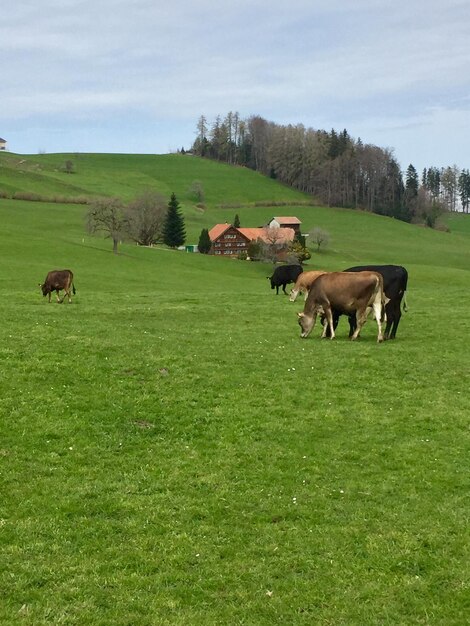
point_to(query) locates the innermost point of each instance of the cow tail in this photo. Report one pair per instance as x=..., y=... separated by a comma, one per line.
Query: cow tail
x=383, y=316
x=73, y=289
x=405, y=305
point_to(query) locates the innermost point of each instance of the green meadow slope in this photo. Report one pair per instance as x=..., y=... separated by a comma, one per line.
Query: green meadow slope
x=172, y=453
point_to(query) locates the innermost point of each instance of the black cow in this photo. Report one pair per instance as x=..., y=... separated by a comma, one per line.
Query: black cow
x=56, y=281
x=283, y=275
x=395, y=278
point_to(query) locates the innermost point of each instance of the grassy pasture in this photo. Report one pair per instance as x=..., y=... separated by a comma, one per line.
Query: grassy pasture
x=172, y=452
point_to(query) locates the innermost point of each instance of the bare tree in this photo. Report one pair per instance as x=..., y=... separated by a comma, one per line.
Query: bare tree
x=196, y=191
x=68, y=167
x=145, y=217
x=108, y=215
x=320, y=237
x=449, y=185
x=273, y=239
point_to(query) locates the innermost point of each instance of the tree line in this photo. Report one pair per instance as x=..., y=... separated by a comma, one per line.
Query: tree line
x=334, y=167
x=147, y=220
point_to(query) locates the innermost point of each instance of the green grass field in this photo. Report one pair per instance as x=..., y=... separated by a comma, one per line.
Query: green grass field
x=171, y=451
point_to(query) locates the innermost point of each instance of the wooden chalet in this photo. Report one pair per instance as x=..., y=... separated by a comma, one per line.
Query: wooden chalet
x=230, y=241
x=3, y=144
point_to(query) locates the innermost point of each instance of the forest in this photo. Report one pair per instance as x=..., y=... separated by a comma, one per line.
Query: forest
x=334, y=167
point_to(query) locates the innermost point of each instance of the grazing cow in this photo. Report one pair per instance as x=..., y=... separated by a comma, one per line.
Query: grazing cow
x=350, y=293
x=56, y=281
x=303, y=283
x=395, y=279
x=283, y=275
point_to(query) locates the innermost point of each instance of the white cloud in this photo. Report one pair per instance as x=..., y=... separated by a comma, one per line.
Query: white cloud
x=367, y=65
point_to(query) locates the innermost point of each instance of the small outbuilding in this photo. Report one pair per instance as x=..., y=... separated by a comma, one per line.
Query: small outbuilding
x=285, y=222
x=3, y=144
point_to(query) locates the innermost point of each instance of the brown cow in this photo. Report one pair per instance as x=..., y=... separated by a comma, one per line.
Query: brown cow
x=346, y=292
x=303, y=283
x=56, y=281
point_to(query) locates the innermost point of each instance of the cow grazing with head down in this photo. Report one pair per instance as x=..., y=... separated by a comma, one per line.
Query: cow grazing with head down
x=283, y=275
x=350, y=293
x=395, y=280
x=303, y=283
x=56, y=281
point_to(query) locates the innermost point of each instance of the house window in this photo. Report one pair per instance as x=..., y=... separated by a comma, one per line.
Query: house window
x=230, y=236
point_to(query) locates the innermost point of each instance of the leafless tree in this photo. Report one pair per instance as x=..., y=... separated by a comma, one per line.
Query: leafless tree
x=196, y=191
x=108, y=215
x=319, y=237
x=273, y=240
x=449, y=184
x=145, y=217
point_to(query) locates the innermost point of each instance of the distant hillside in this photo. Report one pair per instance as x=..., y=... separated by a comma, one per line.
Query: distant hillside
x=356, y=236
x=125, y=176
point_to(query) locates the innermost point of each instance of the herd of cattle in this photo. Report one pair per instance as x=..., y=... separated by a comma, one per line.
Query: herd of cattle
x=354, y=292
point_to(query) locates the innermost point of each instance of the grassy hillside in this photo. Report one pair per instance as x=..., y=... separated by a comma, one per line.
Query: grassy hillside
x=126, y=175
x=173, y=453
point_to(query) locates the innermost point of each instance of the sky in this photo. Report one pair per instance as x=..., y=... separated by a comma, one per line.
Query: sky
x=135, y=76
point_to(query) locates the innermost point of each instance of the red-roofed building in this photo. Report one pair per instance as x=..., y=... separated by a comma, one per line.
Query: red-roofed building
x=230, y=241
x=285, y=222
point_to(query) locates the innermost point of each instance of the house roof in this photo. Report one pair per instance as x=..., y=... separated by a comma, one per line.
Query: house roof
x=252, y=234
x=218, y=230
x=287, y=220
x=3, y=140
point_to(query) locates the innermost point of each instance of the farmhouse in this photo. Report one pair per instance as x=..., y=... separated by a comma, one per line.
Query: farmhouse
x=230, y=241
x=285, y=222
x=3, y=144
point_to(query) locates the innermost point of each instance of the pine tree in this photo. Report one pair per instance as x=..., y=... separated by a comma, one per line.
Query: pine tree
x=205, y=243
x=174, y=232
x=236, y=221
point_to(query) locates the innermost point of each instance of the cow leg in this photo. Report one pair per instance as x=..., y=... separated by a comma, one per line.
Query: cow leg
x=352, y=325
x=396, y=321
x=377, y=306
x=329, y=322
x=361, y=317
x=324, y=320
x=284, y=288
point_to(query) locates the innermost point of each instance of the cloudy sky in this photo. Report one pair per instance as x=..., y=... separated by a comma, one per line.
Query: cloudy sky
x=134, y=76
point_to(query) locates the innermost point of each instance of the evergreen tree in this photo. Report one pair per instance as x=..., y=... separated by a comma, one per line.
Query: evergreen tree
x=410, y=199
x=464, y=189
x=205, y=243
x=174, y=232
x=236, y=221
